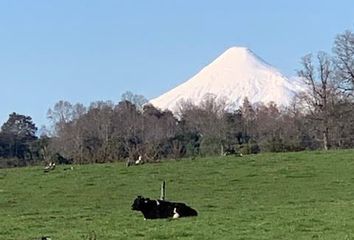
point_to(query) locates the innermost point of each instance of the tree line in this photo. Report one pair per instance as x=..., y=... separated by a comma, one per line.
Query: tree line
x=321, y=117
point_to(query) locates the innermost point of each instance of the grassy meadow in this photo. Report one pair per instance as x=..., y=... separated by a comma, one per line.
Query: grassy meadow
x=306, y=195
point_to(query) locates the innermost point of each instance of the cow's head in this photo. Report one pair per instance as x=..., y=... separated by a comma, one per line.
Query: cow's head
x=139, y=203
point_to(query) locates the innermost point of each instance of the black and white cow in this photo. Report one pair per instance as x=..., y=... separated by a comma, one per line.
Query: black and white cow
x=153, y=209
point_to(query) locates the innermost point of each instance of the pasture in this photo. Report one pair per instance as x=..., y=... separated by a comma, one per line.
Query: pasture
x=306, y=195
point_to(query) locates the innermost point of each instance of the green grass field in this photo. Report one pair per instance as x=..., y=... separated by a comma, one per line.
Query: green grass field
x=307, y=195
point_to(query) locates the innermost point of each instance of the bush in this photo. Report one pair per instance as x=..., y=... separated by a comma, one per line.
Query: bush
x=59, y=159
x=249, y=148
x=11, y=162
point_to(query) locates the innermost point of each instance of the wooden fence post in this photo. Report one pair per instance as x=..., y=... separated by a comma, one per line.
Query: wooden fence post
x=163, y=191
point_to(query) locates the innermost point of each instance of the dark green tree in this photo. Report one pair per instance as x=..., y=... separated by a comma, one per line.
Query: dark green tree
x=20, y=126
x=16, y=137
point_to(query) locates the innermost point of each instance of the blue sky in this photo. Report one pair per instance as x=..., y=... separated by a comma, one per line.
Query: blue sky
x=84, y=51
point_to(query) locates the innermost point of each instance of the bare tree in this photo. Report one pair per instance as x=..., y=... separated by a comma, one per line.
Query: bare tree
x=159, y=128
x=321, y=95
x=60, y=114
x=207, y=118
x=267, y=127
x=68, y=130
x=249, y=116
x=136, y=99
x=96, y=131
x=127, y=129
x=344, y=59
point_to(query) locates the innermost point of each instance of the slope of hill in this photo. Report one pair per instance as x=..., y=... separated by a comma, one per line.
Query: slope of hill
x=236, y=74
x=306, y=195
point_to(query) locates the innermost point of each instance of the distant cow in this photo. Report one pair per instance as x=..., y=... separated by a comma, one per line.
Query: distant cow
x=49, y=167
x=45, y=238
x=139, y=161
x=153, y=209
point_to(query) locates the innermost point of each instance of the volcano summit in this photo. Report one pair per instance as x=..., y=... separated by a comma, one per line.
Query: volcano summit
x=236, y=74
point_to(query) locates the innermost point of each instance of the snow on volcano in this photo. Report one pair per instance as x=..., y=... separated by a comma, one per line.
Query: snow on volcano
x=236, y=74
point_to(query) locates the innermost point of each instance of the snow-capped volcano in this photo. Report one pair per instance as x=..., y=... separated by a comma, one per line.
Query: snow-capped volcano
x=236, y=74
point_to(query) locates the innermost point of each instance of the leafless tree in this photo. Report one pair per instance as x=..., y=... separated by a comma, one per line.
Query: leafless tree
x=158, y=130
x=138, y=100
x=321, y=95
x=208, y=118
x=61, y=113
x=249, y=116
x=344, y=59
x=127, y=129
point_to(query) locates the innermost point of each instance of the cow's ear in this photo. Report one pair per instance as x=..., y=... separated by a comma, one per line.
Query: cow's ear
x=138, y=197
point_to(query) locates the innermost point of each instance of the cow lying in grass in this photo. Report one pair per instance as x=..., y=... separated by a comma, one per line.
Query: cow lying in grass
x=49, y=167
x=153, y=209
